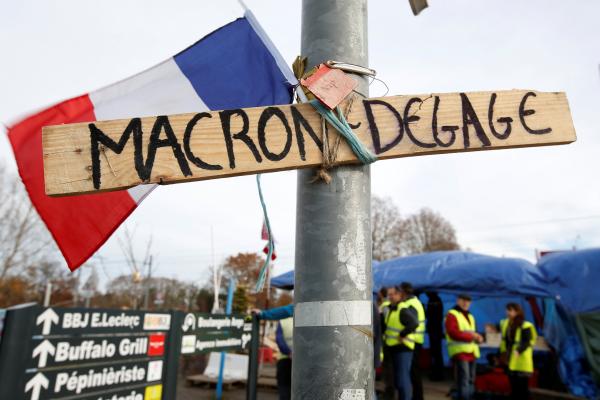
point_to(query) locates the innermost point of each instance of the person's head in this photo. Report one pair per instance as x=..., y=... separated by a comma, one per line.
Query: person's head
x=515, y=313
x=433, y=296
x=464, y=301
x=406, y=290
x=394, y=294
x=382, y=293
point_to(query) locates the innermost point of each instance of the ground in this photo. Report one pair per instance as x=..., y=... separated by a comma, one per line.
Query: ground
x=237, y=393
x=433, y=390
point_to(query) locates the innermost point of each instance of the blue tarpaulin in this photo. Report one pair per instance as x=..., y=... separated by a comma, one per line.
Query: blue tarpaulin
x=463, y=272
x=573, y=278
x=284, y=281
x=454, y=272
x=560, y=332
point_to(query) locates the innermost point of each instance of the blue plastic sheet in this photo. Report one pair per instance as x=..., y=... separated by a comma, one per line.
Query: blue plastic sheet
x=463, y=272
x=454, y=272
x=560, y=332
x=573, y=278
x=284, y=281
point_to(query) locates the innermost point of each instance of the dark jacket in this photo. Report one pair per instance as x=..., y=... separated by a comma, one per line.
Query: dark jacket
x=525, y=339
x=377, y=343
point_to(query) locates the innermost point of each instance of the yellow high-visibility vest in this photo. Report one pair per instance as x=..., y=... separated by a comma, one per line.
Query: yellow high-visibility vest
x=287, y=328
x=393, y=327
x=384, y=308
x=523, y=362
x=417, y=305
x=464, y=325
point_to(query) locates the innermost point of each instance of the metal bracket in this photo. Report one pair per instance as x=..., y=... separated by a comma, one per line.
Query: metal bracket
x=353, y=68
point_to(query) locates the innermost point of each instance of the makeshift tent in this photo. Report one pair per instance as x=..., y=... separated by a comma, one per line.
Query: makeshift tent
x=573, y=278
x=453, y=272
x=568, y=277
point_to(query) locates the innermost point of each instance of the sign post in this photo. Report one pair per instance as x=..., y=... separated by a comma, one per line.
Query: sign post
x=228, y=310
x=253, y=359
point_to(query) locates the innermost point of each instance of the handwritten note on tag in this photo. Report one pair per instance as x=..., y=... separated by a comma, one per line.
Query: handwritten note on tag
x=330, y=86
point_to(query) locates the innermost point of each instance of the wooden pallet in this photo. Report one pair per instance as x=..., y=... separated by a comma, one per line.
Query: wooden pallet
x=209, y=380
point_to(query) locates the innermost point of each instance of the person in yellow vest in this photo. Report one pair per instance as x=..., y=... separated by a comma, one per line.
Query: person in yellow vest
x=400, y=324
x=408, y=296
x=462, y=340
x=383, y=301
x=387, y=375
x=518, y=338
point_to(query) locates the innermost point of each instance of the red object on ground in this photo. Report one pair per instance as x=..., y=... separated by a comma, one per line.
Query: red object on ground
x=265, y=355
x=497, y=382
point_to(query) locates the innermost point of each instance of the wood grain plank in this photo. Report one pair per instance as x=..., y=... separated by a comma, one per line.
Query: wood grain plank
x=111, y=155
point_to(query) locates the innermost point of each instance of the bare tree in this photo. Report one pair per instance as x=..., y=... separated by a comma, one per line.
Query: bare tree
x=24, y=241
x=427, y=231
x=136, y=265
x=386, y=229
x=174, y=294
x=64, y=289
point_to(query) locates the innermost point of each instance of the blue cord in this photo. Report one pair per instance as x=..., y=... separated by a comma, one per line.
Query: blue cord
x=341, y=125
x=362, y=153
x=260, y=283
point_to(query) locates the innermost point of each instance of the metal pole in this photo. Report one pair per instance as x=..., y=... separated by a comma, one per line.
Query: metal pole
x=47, y=294
x=147, y=285
x=333, y=349
x=222, y=365
x=253, y=360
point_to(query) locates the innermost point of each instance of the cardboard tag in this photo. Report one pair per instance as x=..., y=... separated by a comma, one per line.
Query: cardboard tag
x=330, y=86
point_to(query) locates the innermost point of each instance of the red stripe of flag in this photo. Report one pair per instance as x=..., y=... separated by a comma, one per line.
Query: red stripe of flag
x=79, y=224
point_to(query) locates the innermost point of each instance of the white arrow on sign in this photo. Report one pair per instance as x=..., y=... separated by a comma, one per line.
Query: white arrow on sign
x=36, y=384
x=42, y=350
x=47, y=318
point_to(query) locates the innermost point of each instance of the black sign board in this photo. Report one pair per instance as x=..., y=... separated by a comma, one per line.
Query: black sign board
x=203, y=333
x=147, y=392
x=94, y=349
x=73, y=382
x=103, y=354
x=78, y=353
x=77, y=321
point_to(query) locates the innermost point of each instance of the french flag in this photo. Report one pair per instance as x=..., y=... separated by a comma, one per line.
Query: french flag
x=234, y=67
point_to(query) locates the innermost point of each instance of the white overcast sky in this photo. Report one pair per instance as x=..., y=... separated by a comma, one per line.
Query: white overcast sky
x=506, y=202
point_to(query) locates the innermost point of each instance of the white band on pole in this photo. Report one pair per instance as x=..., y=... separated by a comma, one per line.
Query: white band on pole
x=333, y=313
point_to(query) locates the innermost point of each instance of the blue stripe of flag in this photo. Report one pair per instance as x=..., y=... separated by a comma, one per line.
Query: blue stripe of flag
x=232, y=68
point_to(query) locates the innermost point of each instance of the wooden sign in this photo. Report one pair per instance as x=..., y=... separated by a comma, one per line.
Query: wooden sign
x=111, y=155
